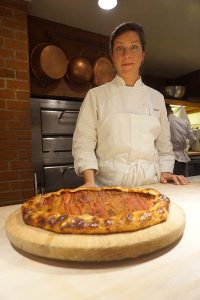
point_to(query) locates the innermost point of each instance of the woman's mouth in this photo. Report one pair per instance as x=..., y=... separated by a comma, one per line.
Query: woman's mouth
x=127, y=64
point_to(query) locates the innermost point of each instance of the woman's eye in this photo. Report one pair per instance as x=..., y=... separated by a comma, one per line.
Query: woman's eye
x=134, y=47
x=119, y=48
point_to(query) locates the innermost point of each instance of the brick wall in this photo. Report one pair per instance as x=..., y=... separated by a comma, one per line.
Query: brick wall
x=16, y=176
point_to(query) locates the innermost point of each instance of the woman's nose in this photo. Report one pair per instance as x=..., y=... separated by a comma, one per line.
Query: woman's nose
x=127, y=52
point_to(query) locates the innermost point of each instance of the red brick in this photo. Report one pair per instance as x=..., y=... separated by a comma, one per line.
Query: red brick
x=20, y=15
x=4, y=186
x=27, y=194
x=26, y=174
x=22, y=115
x=20, y=25
x=22, y=184
x=7, y=115
x=17, y=65
x=22, y=95
x=8, y=155
x=22, y=55
x=14, y=134
x=7, y=53
x=14, y=146
x=5, y=12
x=7, y=33
x=2, y=83
x=3, y=124
x=25, y=134
x=18, y=45
x=17, y=85
x=24, y=144
x=8, y=144
x=8, y=175
x=17, y=105
x=8, y=23
x=21, y=35
x=25, y=154
x=20, y=124
x=2, y=104
x=22, y=75
x=21, y=165
x=2, y=42
x=4, y=166
x=8, y=134
x=2, y=63
x=6, y=73
x=17, y=4
x=9, y=196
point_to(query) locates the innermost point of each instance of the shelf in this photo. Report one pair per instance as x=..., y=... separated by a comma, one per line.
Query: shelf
x=183, y=102
x=191, y=106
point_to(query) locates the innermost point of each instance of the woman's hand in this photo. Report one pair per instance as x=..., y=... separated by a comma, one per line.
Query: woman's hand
x=169, y=177
x=87, y=184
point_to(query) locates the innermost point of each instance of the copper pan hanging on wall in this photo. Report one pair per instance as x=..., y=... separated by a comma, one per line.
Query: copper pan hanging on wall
x=48, y=62
x=103, y=70
x=79, y=70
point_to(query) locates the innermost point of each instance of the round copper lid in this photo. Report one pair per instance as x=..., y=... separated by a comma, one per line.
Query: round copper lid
x=79, y=70
x=103, y=71
x=48, y=62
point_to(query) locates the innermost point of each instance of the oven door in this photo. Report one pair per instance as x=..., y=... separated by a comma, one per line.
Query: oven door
x=56, y=150
x=58, y=177
x=58, y=122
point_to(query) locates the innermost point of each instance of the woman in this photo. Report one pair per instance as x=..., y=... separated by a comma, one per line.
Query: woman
x=122, y=135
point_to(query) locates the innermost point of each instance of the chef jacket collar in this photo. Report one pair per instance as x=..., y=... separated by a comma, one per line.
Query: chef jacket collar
x=120, y=81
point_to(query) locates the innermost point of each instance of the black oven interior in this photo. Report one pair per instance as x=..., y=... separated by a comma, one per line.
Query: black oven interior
x=53, y=124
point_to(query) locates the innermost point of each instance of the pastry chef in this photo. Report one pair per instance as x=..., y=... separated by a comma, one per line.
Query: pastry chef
x=122, y=135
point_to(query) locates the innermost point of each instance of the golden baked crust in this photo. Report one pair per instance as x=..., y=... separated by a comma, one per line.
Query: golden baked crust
x=96, y=210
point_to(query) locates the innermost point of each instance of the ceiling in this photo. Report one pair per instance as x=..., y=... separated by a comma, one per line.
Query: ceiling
x=172, y=28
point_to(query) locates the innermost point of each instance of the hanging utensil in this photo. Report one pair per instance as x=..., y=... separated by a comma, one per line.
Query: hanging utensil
x=48, y=62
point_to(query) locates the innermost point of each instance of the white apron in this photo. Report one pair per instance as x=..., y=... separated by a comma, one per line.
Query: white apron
x=125, y=151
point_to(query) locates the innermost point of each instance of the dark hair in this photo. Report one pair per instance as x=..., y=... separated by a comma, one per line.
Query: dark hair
x=127, y=27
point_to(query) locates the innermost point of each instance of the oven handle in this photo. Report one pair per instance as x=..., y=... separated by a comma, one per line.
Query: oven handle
x=66, y=112
x=70, y=167
x=35, y=184
x=37, y=190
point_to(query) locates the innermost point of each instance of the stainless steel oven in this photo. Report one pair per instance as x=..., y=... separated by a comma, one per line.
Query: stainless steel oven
x=53, y=124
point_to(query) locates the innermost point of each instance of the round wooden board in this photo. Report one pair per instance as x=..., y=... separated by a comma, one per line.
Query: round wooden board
x=106, y=247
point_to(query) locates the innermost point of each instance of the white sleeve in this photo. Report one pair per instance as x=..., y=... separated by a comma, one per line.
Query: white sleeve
x=85, y=136
x=163, y=143
x=190, y=135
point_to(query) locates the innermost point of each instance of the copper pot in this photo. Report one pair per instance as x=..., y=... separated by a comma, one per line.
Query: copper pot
x=103, y=71
x=48, y=62
x=79, y=70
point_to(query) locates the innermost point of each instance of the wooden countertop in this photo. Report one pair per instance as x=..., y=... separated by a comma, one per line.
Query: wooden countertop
x=172, y=273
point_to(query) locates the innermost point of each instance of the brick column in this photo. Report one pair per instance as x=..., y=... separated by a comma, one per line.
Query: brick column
x=16, y=176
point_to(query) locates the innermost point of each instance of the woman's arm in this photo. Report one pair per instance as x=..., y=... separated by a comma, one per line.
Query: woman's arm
x=85, y=137
x=88, y=176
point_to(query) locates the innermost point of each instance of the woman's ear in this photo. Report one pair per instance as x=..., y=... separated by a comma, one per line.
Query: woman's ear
x=143, y=56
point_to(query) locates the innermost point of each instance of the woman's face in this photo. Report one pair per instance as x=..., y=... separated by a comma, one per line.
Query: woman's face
x=127, y=53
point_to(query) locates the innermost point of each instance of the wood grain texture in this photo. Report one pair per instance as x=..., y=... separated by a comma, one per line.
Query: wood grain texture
x=106, y=247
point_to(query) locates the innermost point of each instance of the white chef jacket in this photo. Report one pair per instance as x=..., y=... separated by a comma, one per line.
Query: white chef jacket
x=180, y=133
x=123, y=134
